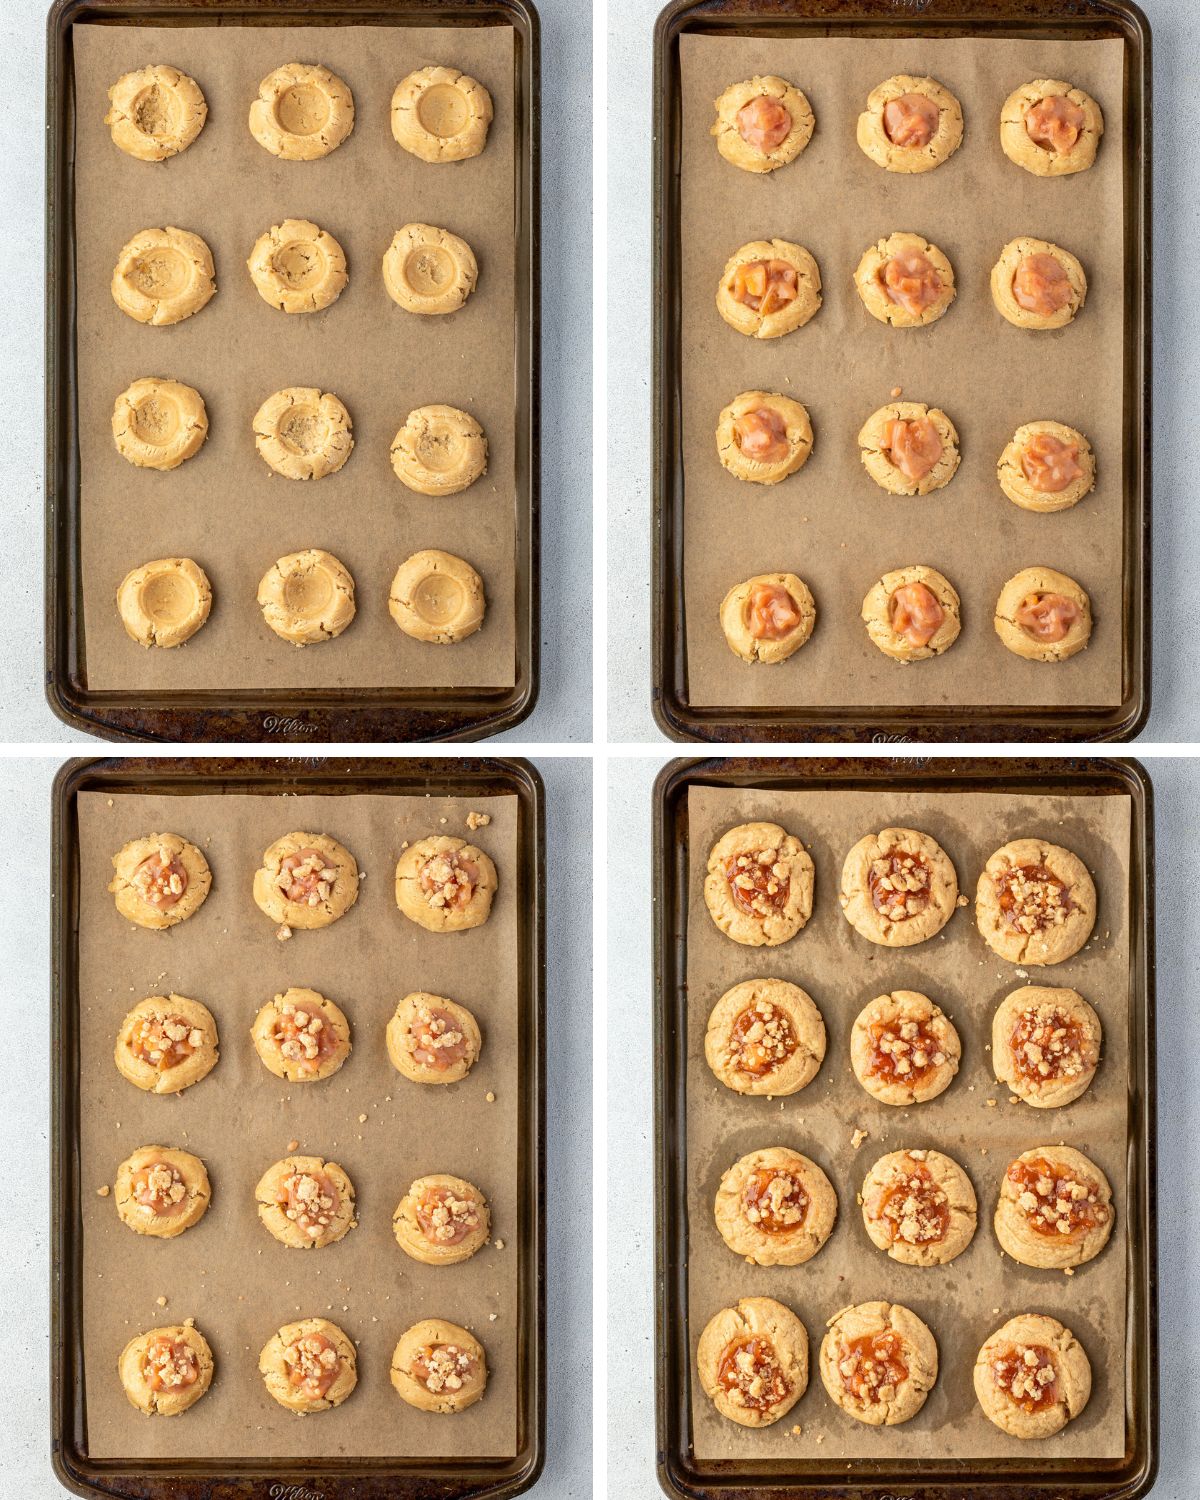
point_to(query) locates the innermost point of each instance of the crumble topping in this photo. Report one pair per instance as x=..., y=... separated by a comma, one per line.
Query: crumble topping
x=1054, y=1200
x=310, y=1200
x=448, y=879
x=872, y=1366
x=445, y=1218
x=160, y=1190
x=306, y=878
x=478, y=820
x=1032, y=897
x=760, y=1039
x=774, y=1201
x=435, y=1038
x=169, y=1364
x=443, y=1367
x=311, y=1363
x=758, y=882
x=1026, y=1374
x=164, y=1041
x=160, y=882
x=900, y=885
x=302, y=1036
x=913, y=1208
x=750, y=1373
x=1047, y=1046
x=904, y=1051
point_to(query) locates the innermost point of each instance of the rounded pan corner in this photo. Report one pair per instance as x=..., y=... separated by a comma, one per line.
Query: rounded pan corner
x=66, y=1475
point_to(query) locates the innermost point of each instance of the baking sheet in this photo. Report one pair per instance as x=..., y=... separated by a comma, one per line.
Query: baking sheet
x=967, y=1300
x=225, y=507
x=831, y=523
x=227, y=1272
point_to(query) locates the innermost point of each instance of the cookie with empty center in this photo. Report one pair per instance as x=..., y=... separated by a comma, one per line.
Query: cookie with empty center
x=166, y=1043
x=909, y=448
x=1047, y=466
x=437, y=598
x=1032, y=1376
x=1051, y=128
x=905, y=281
x=878, y=1363
x=159, y=880
x=301, y=1036
x=307, y=597
x=898, y=887
x=765, y=1036
x=163, y=276
x=428, y=270
x=433, y=1040
x=1035, y=903
x=298, y=267
x=768, y=618
x=160, y=1192
x=1043, y=615
x=165, y=1370
x=763, y=123
x=904, y=1049
x=775, y=1207
x=1055, y=1209
x=912, y=613
x=1037, y=285
x=439, y=1367
x=155, y=112
x=763, y=437
x=919, y=1206
x=157, y=423
x=910, y=124
x=758, y=885
x=303, y=111
x=309, y=1366
x=440, y=450
x=303, y=433
x=164, y=602
x=1046, y=1045
x=769, y=288
x=441, y=114
x=752, y=1360
x=306, y=1202
x=444, y=884
x=306, y=880
x=442, y=1220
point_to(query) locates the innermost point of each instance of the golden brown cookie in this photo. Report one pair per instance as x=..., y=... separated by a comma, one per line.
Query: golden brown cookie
x=775, y=1207
x=306, y=1202
x=1054, y=1209
x=769, y=288
x=752, y=1361
x=159, y=880
x=164, y=602
x=440, y=114
x=1037, y=285
x=1035, y=903
x=433, y=1040
x=1032, y=1376
x=442, y=1220
x=155, y=112
x=1046, y=1045
x=1050, y=128
x=878, y=1363
x=166, y=1043
x=905, y=281
x=303, y=111
x=163, y=276
x=762, y=123
x=437, y=598
x=307, y=597
x=912, y=613
x=910, y=124
x=1043, y=615
x=898, y=887
x=763, y=437
x=429, y=270
x=768, y=618
x=161, y=1192
x=309, y=1366
x=303, y=434
x=920, y=1207
x=439, y=1367
x=765, y=1036
x=759, y=885
x=298, y=267
x=306, y=880
x=445, y=884
x=440, y=450
x=903, y=1049
x=909, y=448
x=165, y=1370
x=301, y=1036
x=157, y=424
x=1047, y=467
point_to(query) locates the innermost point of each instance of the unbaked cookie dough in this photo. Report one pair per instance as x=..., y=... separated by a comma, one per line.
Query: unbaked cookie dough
x=920, y=1207
x=437, y=598
x=1047, y=467
x=1043, y=615
x=910, y=124
x=307, y=597
x=155, y=112
x=440, y=114
x=898, y=887
x=298, y=267
x=752, y=1360
x=166, y=1370
x=303, y=111
x=763, y=437
x=1037, y=285
x=309, y=1366
x=307, y=880
x=909, y=448
x=306, y=1202
x=759, y=885
x=1032, y=1376
x=769, y=288
x=429, y=270
x=1046, y=1045
x=1035, y=903
x=165, y=602
x=166, y=1043
x=768, y=618
x=903, y=1049
x=1050, y=128
x=762, y=123
x=301, y=1036
x=302, y=433
x=159, y=880
x=439, y=1367
x=440, y=450
x=441, y=1220
x=1054, y=1210
x=163, y=276
x=765, y=1036
x=161, y=1192
x=433, y=1040
x=157, y=424
x=905, y=280
x=775, y=1207
x=878, y=1363
x=912, y=614
x=445, y=884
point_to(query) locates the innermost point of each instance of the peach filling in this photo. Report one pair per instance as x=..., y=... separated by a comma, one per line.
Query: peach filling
x=1055, y=1202
x=448, y=879
x=160, y=1190
x=160, y=882
x=1027, y=1376
x=758, y=882
x=1040, y=284
x=764, y=286
x=911, y=445
x=915, y=614
x=750, y=1373
x=312, y=1365
x=169, y=1364
x=1049, y=464
x=900, y=885
x=303, y=1037
x=872, y=1366
x=764, y=123
x=445, y=1218
x=1047, y=617
x=911, y=281
x=437, y=1041
x=760, y=1039
x=904, y=1051
x=1054, y=123
x=1047, y=1049
x=164, y=1041
x=761, y=434
x=771, y=612
x=774, y=1201
x=1032, y=897
x=913, y=1209
x=306, y=877
x=443, y=1367
x=910, y=120
x=310, y=1200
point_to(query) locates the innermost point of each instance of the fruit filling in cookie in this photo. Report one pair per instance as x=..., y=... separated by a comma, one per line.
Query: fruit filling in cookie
x=911, y=281
x=915, y=614
x=774, y=1201
x=1047, y=1049
x=1040, y=284
x=750, y=1373
x=764, y=286
x=912, y=446
x=1027, y=1375
x=160, y=882
x=761, y=1039
x=164, y=1041
x=914, y=1208
x=310, y=1200
x=761, y=434
x=1047, y=617
x=160, y=1190
x=312, y=1365
x=911, y=120
x=1049, y=464
x=900, y=885
x=169, y=1365
x=445, y=1217
x=1054, y=123
x=305, y=877
x=771, y=612
x=449, y=879
x=758, y=882
x=872, y=1366
x=1032, y=897
x=1056, y=1201
x=904, y=1051
x=439, y=1041
x=764, y=123
x=443, y=1367
x=303, y=1037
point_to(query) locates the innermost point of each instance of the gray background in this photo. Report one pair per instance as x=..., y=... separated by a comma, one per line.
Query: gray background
x=631, y=1445
x=1176, y=192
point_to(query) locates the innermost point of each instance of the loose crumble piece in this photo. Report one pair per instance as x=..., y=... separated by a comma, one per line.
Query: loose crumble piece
x=283, y=932
x=858, y=1138
x=478, y=820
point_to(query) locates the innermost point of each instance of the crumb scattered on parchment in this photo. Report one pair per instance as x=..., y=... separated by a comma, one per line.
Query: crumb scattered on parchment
x=858, y=1138
x=499, y=1244
x=897, y=391
x=443, y=820
x=283, y=932
x=490, y=1097
x=478, y=820
x=362, y=1119
x=991, y=1104
x=962, y=900
x=293, y=1145
x=796, y=1429
x=404, y=845
x=820, y=1437
x=161, y=1301
x=102, y=1192
x=189, y=1322
x=491, y=1317
x=1012, y=1099
x=1068, y=1270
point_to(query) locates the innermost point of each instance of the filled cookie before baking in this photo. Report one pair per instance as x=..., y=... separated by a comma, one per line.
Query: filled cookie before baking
x=301, y=1036
x=303, y=111
x=440, y=450
x=164, y=602
x=306, y=880
x=445, y=884
x=768, y=618
x=433, y=1040
x=1047, y=467
x=309, y=1366
x=905, y=281
x=157, y=424
x=307, y=597
x=440, y=114
x=161, y=1192
x=439, y=1367
x=920, y=1207
x=765, y=1036
x=775, y=1207
x=910, y=124
x=1032, y=1376
x=1037, y=285
x=298, y=267
x=155, y=112
x=752, y=1361
x=159, y=880
x=1050, y=128
x=898, y=887
x=166, y=1043
x=909, y=448
x=878, y=1363
x=303, y=433
x=762, y=123
x=306, y=1202
x=441, y=1220
x=1054, y=1210
x=763, y=437
x=437, y=598
x=769, y=288
x=759, y=884
x=912, y=614
x=166, y=1370
x=903, y=1049
x=1046, y=1045
x=1035, y=903
x=1043, y=615
x=163, y=276
x=429, y=270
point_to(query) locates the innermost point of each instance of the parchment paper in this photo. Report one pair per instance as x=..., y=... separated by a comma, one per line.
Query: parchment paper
x=831, y=523
x=227, y=1271
x=225, y=507
x=967, y=1300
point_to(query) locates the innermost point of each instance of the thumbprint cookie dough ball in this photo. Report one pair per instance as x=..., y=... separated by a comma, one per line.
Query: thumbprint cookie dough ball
x=1035, y=903
x=161, y=1192
x=759, y=885
x=429, y=270
x=903, y=1049
x=440, y=114
x=437, y=598
x=155, y=112
x=166, y=1370
x=910, y=124
x=298, y=267
x=303, y=111
x=1054, y=1210
x=1037, y=285
x=920, y=1207
x=163, y=276
x=445, y=884
x=306, y=880
x=765, y=1036
x=433, y=1040
x=775, y=1207
x=1050, y=128
x=909, y=448
x=165, y=602
x=752, y=1360
x=159, y=880
x=166, y=1043
x=157, y=424
x=301, y=1036
x=307, y=597
x=1046, y=1045
x=1047, y=466
x=439, y=1367
x=768, y=617
x=1032, y=1377
x=768, y=288
x=441, y=1220
x=440, y=450
x=306, y=1202
x=912, y=613
x=898, y=887
x=763, y=437
x=309, y=1366
x=878, y=1363
x=762, y=123
x=905, y=281
x=1043, y=615
x=303, y=433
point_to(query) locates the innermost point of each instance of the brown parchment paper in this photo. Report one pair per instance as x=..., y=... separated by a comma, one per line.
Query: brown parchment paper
x=967, y=1300
x=831, y=523
x=227, y=1272
x=225, y=507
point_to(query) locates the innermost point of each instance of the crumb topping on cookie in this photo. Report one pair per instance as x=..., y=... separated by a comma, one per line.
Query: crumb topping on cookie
x=900, y=884
x=302, y=1036
x=774, y=1200
x=443, y=1367
x=169, y=1364
x=306, y=878
x=1046, y=1047
x=160, y=1190
x=1027, y=1375
x=758, y=882
x=448, y=878
x=904, y=1051
x=914, y=1208
x=160, y=882
x=310, y=1200
x=873, y=1366
x=435, y=1039
x=760, y=1039
x=445, y=1217
x=750, y=1374
x=312, y=1365
x=1055, y=1200
x=764, y=286
x=164, y=1041
x=1032, y=897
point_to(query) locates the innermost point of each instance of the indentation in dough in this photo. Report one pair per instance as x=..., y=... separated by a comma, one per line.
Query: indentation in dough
x=299, y=263
x=156, y=419
x=303, y=431
x=443, y=110
x=438, y=598
x=160, y=273
x=439, y=449
x=303, y=109
x=155, y=111
x=430, y=270
x=168, y=598
x=309, y=593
